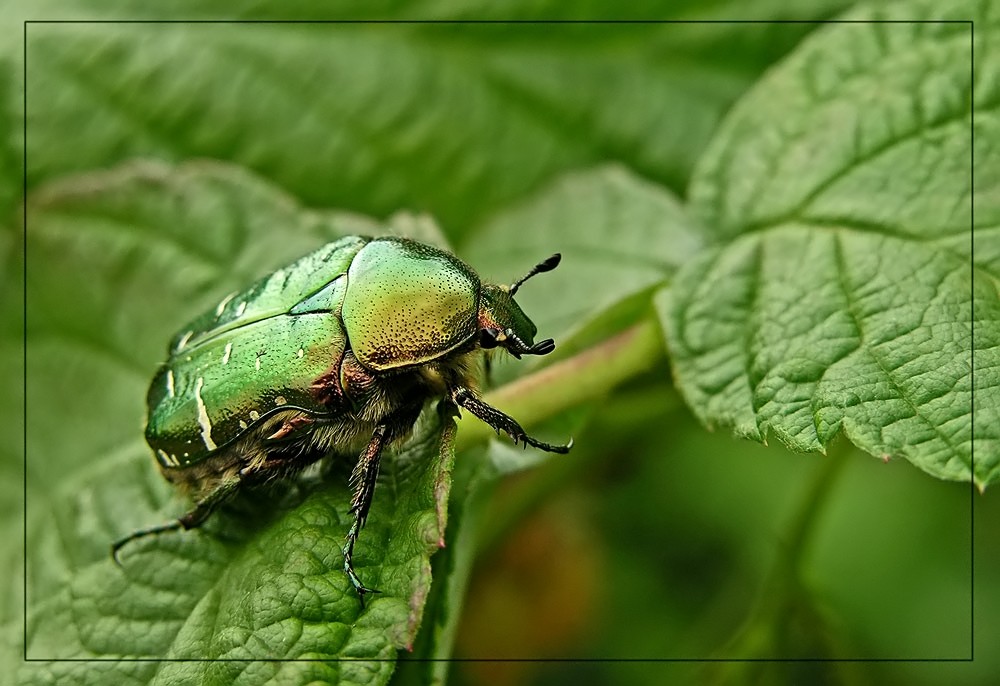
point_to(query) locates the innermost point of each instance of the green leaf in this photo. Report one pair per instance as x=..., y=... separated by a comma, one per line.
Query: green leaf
x=619, y=236
x=11, y=455
x=427, y=665
x=115, y=260
x=840, y=294
x=458, y=120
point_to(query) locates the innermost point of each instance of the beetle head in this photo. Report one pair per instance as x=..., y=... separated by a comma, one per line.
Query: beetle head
x=504, y=324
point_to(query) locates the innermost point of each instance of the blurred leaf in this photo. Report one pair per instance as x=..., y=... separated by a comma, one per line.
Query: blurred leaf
x=11, y=451
x=619, y=235
x=115, y=261
x=457, y=120
x=840, y=294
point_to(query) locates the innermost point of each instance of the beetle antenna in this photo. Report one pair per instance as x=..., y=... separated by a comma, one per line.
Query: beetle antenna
x=544, y=266
x=521, y=348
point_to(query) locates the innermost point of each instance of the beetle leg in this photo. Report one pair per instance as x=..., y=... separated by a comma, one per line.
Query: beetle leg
x=363, y=480
x=363, y=483
x=194, y=518
x=463, y=397
x=289, y=427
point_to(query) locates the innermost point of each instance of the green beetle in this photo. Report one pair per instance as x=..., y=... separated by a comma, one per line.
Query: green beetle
x=339, y=351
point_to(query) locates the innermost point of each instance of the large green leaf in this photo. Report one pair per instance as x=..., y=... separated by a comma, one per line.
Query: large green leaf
x=841, y=294
x=457, y=119
x=115, y=260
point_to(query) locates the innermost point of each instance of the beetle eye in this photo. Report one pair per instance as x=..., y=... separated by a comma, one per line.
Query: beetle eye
x=488, y=338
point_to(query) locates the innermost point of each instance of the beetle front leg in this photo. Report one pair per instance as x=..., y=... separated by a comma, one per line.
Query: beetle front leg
x=463, y=397
x=192, y=519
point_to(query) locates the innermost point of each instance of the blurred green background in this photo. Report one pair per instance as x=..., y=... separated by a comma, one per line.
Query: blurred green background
x=655, y=539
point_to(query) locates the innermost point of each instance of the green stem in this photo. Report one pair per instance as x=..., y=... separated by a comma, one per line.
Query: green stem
x=784, y=592
x=585, y=376
x=803, y=524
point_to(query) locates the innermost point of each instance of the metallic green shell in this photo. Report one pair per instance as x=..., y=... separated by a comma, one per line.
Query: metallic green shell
x=408, y=303
x=258, y=351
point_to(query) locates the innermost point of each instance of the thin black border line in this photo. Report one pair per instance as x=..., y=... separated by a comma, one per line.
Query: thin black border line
x=581, y=22
x=402, y=657
x=24, y=326
x=972, y=342
x=556, y=660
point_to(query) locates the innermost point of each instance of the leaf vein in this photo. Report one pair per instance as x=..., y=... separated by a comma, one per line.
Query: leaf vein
x=870, y=350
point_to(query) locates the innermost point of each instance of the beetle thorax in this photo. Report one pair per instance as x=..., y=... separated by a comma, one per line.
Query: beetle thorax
x=408, y=304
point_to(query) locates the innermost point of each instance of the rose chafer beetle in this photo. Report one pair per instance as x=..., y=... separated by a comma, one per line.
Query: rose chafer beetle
x=338, y=352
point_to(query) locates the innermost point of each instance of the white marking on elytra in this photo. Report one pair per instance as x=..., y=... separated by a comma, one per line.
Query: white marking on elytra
x=170, y=382
x=222, y=305
x=256, y=364
x=225, y=355
x=301, y=353
x=164, y=457
x=243, y=424
x=184, y=341
x=203, y=421
x=241, y=308
x=280, y=400
x=254, y=415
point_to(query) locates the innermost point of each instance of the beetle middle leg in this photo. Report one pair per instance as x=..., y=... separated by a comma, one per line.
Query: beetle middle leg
x=463, y=397
x=363, y=480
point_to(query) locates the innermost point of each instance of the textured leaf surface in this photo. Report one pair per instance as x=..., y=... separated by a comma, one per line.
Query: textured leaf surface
x=841, y=293
x=115, y=260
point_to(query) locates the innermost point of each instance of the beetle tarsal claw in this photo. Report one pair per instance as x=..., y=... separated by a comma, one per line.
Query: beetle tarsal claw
x=115, y=547
x=363, y=591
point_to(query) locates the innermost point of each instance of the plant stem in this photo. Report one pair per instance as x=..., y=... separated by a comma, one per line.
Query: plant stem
x=584, y=376
x=785, y=600
x=803, y=524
